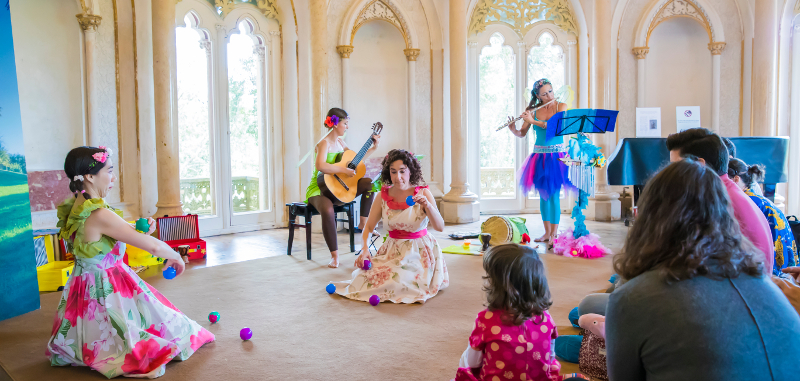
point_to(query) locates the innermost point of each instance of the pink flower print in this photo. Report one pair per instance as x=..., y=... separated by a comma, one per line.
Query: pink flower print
x=378, y=275
x=161, y=298
x=56, y=324
x=160, y=333
x=93, y=308
x=122, y=282
x=147, y=356
x=77, y=300
x=90, y=356
x=202, y=337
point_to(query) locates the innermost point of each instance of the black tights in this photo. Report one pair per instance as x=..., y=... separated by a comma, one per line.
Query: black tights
x=324, y=206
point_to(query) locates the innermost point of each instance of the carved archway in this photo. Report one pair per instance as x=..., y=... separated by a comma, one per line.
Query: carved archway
x=521, y=16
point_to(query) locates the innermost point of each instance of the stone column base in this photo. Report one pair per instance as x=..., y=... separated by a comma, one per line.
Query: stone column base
x=604, y=210
x=460, y=212
x=169, y=210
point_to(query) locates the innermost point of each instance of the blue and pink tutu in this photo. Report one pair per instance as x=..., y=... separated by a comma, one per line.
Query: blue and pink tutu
x=544, y=171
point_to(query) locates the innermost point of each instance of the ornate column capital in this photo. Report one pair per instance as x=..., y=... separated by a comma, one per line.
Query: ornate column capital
x=411, y=54
x=472, y=44
x=572, y=42
x=641, y=52
x=275, y=33
x=88, y=21
x=520, y=43
x=716, y=48
x=344, y=50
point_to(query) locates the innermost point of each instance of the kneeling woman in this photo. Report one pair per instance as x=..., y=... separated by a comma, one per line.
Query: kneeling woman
x=409, y=266
x=328, y=151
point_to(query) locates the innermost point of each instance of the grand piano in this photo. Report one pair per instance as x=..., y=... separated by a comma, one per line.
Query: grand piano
x=637, y=159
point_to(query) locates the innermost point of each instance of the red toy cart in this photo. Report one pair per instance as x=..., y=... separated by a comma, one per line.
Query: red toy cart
x=182, y=230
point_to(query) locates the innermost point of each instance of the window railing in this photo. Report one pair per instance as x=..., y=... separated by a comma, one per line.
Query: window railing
x=498, y=183
x=197, y=199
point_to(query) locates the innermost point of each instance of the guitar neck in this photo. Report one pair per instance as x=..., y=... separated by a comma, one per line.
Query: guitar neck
x=360, y=155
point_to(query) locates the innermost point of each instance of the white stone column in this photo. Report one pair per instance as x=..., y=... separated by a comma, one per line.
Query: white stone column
x=319, y=65
x=344, y=52
x=260, y=52
x=641, y=54
x=520, y=101
x=716, y=49
x=274, y=127
x=165, y=100
x=793, y=187
x=411, y=57
x=765, y=62
x=472, y=115
x=206, y=45
x=89, y=24
x=572, y=70
x=459, y=205
x=291, y=117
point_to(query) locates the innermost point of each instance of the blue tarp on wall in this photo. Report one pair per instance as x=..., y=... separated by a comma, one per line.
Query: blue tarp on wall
x=19, y=290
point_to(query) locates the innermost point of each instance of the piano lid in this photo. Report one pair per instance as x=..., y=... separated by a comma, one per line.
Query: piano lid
x=637, y=159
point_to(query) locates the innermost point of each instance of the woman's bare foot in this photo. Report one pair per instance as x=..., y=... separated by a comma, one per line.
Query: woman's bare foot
x=544, y=238
x=334, y=263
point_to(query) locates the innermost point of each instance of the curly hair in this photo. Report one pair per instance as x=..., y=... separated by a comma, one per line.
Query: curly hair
x=409, y=161
x=516, y=283
x=686, y=229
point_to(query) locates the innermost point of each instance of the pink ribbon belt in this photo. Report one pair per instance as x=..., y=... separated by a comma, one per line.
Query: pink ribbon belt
x=402, y=234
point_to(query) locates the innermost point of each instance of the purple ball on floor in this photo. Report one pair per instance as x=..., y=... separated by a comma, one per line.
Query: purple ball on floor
x=170, y=273
x=366, y=265
x=374, y=300
x=246, y=333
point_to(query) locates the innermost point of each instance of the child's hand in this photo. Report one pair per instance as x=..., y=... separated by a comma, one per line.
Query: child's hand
x=177, y=264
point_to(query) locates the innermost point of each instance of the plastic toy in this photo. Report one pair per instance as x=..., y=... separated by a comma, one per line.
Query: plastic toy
x=213, y=317
x=246, y=333
x=170, y=272
x=330, y=288
x=366, y=265
x=142, y=226
x=374, y=300
x=410, y=201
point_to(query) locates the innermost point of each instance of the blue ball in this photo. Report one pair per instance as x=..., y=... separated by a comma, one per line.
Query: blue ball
x=410, y=201
x=574, y=315
x=330, y=288
x=170, y=273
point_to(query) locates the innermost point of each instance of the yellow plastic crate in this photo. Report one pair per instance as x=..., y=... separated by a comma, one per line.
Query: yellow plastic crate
x=138, y=257
x=54, y=275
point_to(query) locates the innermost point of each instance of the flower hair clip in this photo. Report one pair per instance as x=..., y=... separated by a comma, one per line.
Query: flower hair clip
x=78, y=178
x=331, y=121
x=101, y=157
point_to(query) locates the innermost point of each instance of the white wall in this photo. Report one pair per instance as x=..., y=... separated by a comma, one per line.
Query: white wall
x=378, y=87
x=678, y=71
x=47, y=49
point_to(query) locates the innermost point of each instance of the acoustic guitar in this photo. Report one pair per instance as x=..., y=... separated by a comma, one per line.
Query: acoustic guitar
x=341, y=188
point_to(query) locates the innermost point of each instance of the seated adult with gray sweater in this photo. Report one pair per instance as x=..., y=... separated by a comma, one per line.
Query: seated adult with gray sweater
x=697, y=305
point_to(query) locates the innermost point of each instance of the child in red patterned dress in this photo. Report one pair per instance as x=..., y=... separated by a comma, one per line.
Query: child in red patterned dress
x=513, y=337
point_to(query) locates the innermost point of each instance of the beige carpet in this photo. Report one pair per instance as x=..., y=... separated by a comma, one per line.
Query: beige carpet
x=301, y=332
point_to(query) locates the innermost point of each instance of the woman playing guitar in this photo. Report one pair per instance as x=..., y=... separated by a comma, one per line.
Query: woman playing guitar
x=327, y=152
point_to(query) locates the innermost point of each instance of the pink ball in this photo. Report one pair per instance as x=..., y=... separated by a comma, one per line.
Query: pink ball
x=374, y=300
x=246, y=333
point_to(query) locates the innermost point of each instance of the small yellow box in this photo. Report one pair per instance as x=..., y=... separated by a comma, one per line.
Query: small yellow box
x=54, y=275
x=138, y=257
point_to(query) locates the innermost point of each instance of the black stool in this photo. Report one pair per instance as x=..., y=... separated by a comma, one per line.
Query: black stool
x=306, y=211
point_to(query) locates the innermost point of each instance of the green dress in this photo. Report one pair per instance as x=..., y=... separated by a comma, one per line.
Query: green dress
x=313, y=188
x=108, y=318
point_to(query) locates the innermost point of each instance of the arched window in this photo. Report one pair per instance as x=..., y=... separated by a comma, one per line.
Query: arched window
x=545, y=61
x=496, y=88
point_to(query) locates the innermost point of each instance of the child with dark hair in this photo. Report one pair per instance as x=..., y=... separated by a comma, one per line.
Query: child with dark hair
x=409, y=267
x=731, y=148
x=513, y=337
x=109, y=319
x=709, y=149
x=747, y=178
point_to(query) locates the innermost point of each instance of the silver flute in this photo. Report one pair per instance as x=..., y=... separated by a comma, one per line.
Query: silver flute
x=519, y=117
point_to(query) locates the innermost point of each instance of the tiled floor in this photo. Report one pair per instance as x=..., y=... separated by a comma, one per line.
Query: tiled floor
x=242, y=247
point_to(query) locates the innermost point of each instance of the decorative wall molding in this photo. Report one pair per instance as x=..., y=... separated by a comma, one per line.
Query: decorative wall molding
x=680, y=8
x=641, y=52
x=344, y=50
x=268, y=8
x=411, y=54
x=522, y=15
x=88, y=21
x=382, y=10
x=716, y=48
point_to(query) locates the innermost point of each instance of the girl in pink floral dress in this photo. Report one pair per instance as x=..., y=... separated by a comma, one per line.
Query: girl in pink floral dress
x=109, y=319
x=512, y=338
x=409, y=266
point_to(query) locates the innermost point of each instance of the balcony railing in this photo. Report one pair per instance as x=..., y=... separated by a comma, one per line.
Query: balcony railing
x=498, y=183
x=197, y=198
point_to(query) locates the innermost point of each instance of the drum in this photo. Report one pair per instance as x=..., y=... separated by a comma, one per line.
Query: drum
x=504, y=229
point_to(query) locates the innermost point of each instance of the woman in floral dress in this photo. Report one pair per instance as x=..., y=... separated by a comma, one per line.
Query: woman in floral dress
x=409, y=266
x=108, y=318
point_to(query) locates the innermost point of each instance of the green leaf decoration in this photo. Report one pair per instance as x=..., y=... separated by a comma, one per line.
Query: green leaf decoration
x=108, y=289
x=62, y=304
x=130, y=315
x=118, y=322
x=144, y=314
x=65, y=326
x=143, y=335
x=93, y=292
